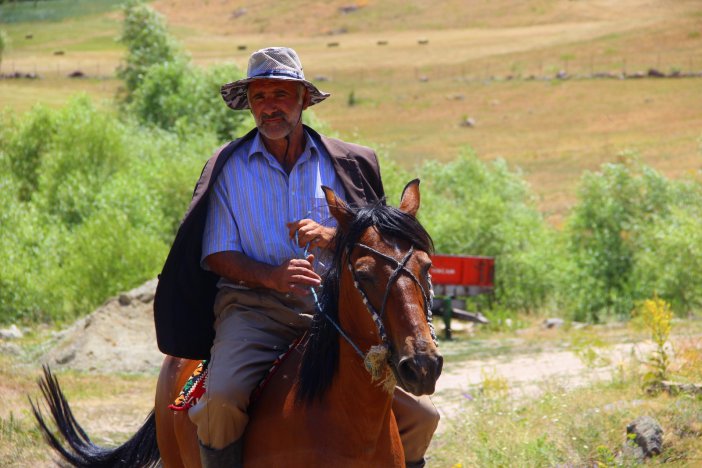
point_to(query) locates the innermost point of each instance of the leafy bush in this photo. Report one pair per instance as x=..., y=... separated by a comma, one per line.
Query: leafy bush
x=475, y=208
x=669, y=260
x=94, y=212
x=176, y=96
x=604, y=231
x=147, y=41
x=4, y=41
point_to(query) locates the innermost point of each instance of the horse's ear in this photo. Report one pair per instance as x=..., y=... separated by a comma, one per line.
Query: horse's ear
x=338, y=208
x=409, y=202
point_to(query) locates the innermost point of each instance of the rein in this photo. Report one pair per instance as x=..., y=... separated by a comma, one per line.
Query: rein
x=380, y=354
x=400, y=268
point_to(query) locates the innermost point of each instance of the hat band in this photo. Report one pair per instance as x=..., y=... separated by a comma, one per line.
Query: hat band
x=290, y=74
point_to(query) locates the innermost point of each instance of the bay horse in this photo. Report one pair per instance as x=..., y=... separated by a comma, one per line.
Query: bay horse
x=329, y=403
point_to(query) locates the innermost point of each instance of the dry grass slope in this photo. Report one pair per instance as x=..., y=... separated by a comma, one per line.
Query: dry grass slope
x=410, y=99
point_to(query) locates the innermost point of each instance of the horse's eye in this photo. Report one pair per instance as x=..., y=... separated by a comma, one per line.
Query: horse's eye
x=425, y=270
x=364, y=276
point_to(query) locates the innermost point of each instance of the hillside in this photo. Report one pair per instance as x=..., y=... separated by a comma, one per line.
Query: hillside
x=492, y=61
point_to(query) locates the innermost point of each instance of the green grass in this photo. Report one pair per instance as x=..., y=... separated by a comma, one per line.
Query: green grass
x=582, y=427
x=53, y=10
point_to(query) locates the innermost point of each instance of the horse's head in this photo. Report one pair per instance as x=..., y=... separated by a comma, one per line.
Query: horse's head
x=386, y=279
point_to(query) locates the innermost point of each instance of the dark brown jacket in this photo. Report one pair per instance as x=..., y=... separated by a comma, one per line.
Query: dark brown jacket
x=183, y=306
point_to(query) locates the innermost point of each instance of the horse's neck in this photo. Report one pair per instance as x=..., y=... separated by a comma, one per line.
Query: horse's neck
x=361, y=400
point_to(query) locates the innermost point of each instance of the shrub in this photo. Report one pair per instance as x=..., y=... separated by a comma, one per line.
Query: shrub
x=669, y=261
x=94, y=212
x=147, y=41
x=23, y=143
x=604, y=231
x=176, y=96
x=475, y=208
x=4, y=41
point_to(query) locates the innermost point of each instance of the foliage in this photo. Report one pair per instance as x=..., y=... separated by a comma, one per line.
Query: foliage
x=4, y=42
x=633, y=233
x=584, y=426
x=164, y=89
x=657, y=316
x=147, y=41
x=604, y=232
x=177, y=96
x=669, y=261
x=476, y=208
x=88, y=209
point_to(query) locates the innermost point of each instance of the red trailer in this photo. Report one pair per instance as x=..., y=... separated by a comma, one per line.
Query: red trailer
x=455, y=276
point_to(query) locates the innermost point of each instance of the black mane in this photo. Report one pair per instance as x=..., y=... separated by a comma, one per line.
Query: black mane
x=321, y=355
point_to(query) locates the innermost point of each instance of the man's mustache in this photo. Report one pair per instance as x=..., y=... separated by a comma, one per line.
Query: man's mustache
x=274, y=115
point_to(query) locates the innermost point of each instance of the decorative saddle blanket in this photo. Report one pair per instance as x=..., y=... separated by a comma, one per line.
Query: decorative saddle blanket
x=196, y=385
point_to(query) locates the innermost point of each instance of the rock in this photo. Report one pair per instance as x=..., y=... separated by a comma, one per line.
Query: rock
x=239, y=12
x=124, y=299
x=348, y=9
x=117, y=337
x=553, y=323
x=647, y=436
x=675, y=388
x=11, y=333
x=562, y=75
x=10, y=348
x=468, y=122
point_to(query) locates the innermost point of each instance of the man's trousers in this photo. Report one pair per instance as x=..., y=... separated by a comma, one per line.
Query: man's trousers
x=253, y=328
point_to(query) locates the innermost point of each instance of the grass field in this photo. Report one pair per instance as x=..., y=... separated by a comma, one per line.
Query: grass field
x=486, y=424
x=410, y=99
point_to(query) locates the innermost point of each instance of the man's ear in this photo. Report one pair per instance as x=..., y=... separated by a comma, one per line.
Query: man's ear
x=409, y=202
x=306, y=97
x=338, y=208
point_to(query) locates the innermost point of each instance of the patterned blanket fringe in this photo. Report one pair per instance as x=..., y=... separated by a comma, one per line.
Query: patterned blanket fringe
x=193, y=389
x=196, y=385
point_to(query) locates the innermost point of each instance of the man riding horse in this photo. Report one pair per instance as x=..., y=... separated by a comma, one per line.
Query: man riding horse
x=235, y=288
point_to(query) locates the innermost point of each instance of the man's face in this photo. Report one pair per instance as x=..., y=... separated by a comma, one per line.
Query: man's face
x=276, y=106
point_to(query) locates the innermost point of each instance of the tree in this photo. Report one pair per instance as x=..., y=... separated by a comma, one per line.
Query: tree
x=148, y=43
x=4, y=40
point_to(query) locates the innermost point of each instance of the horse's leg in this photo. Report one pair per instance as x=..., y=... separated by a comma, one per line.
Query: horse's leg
x=186, y=433
x=172, y=431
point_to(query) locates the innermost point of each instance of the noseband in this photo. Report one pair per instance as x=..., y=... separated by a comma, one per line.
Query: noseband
x=399, y=268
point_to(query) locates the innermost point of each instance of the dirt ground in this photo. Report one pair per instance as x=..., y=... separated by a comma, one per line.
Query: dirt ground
x=119, y=338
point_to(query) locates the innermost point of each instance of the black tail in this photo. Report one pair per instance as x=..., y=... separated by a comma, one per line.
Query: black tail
x=139, y=451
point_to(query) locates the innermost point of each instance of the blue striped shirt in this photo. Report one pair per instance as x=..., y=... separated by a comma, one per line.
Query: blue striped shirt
x=253, y=199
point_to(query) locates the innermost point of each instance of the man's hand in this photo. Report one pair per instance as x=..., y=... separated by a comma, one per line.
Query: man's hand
x=313, y=233
x=295, y=276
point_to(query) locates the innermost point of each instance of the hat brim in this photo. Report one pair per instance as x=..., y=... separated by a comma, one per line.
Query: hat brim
x=234, y=93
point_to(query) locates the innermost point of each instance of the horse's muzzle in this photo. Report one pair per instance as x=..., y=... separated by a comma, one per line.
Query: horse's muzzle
x=418, y=374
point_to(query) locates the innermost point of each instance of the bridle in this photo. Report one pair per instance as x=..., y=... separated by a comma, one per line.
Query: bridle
x=400, y=267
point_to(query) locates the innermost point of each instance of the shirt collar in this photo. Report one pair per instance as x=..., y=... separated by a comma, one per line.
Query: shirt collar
x=309, y=153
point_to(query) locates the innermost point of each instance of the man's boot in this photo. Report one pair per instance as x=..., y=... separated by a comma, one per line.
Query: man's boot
x=227, y=457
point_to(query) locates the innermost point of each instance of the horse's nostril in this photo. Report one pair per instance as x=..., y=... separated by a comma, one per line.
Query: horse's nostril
x=409, y=371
